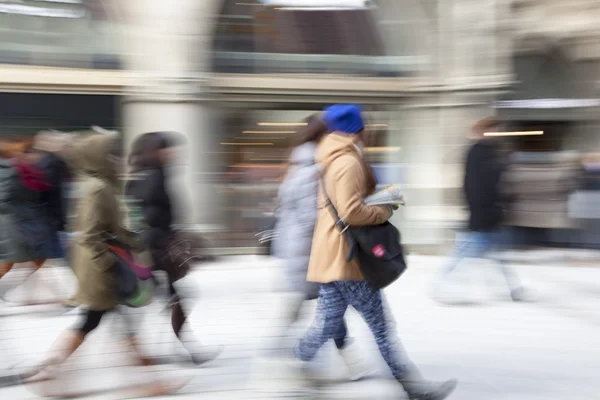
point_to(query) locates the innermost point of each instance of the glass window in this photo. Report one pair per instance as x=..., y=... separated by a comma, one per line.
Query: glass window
x=254, y=37
x=59, y=33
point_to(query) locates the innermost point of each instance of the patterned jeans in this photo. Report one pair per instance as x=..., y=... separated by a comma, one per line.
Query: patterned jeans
x=334, y=299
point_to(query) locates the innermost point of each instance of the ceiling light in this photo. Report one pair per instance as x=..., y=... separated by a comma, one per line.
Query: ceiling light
x=282, y=124
x=269, y=132
x=377, y=125
x=523, y=133
x=245, y=144
x=40, y=11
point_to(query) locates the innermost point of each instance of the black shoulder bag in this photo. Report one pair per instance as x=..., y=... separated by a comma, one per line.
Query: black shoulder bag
x=377, y=249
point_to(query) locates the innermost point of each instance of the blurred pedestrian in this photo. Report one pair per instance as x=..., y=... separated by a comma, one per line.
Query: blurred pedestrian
x=50, y=146
x=347, y=180
x=151, y=154
x=296, y=219
x=31, y=229
x=484, y=170
x=11, y=250
x=98, y=157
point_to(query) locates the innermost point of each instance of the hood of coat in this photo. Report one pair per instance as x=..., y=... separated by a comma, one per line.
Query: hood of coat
x=304, y=154
x=90, y=156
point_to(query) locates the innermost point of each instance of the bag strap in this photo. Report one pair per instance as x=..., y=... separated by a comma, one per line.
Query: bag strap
x=339, y=222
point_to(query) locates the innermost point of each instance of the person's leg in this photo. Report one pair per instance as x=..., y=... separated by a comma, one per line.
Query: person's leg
x=182, y=330
x=369, y=303
x=4, y=287
x=468, y=245
x=501, y=242
x=340, y=335
x=293, y=309
x=5, y=269
x=67, y=343
x=131, y=322
x=33, y=280
x=351, y=353
x=331, y=308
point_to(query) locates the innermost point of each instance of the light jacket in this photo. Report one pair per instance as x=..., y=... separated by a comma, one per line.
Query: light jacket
x=297, y=216
x=347, y=180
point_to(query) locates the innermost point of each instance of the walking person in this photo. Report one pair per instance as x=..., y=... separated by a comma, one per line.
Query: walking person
x=11, y=249
x=151, y=154
x=484, y=170
x=98, y=158
x=296, y=219
x=31, y=228
x=347, y=180
x=51, y=146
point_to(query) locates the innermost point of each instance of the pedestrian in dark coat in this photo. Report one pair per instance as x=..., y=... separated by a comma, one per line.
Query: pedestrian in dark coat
x=10, y=248
x=98, y=158
x=26, y=228
x=151, y=154
x=484, y=170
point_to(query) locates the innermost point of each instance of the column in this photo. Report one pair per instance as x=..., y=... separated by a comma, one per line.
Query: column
x=168, y=48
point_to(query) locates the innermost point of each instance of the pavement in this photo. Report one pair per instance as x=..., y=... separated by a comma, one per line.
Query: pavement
x=545, y=348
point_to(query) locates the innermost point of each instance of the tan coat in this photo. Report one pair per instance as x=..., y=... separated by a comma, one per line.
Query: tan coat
x=98, y=214
x=348, y=180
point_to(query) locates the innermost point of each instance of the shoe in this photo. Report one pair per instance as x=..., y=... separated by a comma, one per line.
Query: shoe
x=425, y=390
x=200, y=354
x=518, y=294
x=10, y=380
x=357, y=366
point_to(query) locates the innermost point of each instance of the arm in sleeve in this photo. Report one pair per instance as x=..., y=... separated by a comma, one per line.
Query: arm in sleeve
x=350, y=182
x=96, y=222
x=307, y=204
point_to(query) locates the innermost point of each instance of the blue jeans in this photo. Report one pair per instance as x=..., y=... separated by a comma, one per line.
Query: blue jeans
x=479, y=245
x=334, y=299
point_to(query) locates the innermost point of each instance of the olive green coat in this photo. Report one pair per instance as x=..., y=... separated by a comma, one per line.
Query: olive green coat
x=98, y=216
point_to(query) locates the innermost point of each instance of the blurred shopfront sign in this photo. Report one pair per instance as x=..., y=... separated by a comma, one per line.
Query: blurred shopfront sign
x=548, y=103
x=317, y=3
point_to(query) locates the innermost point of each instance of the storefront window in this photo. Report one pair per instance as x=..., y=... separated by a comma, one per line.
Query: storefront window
x=269, y=37
x=65, y=33
x=255, y=147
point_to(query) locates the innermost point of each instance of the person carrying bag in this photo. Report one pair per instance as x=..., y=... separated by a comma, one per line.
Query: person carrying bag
x=347, y=181
x=376, y=248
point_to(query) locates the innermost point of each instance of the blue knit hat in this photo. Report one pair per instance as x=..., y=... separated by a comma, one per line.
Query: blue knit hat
x=344, y=118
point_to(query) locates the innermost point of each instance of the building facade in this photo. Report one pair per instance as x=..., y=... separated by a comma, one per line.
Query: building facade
x=236, y=75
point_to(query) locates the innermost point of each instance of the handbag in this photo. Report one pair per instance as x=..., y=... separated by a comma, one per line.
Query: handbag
x=134, y=284
x=267, y=235
x=376, y=248
x=177, y=257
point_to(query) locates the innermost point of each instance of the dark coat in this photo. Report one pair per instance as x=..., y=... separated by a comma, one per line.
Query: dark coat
x=148, y=189
x=482, y=186
x=32, y=223
x=11, y=249
x=56, y=198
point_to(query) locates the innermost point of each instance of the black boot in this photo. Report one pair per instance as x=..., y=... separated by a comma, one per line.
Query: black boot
x=418, y=388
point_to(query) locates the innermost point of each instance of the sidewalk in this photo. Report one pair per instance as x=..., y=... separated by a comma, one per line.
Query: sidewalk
x=547, y=349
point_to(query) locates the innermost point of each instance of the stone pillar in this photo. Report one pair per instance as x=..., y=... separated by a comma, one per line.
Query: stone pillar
x=168, y=48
